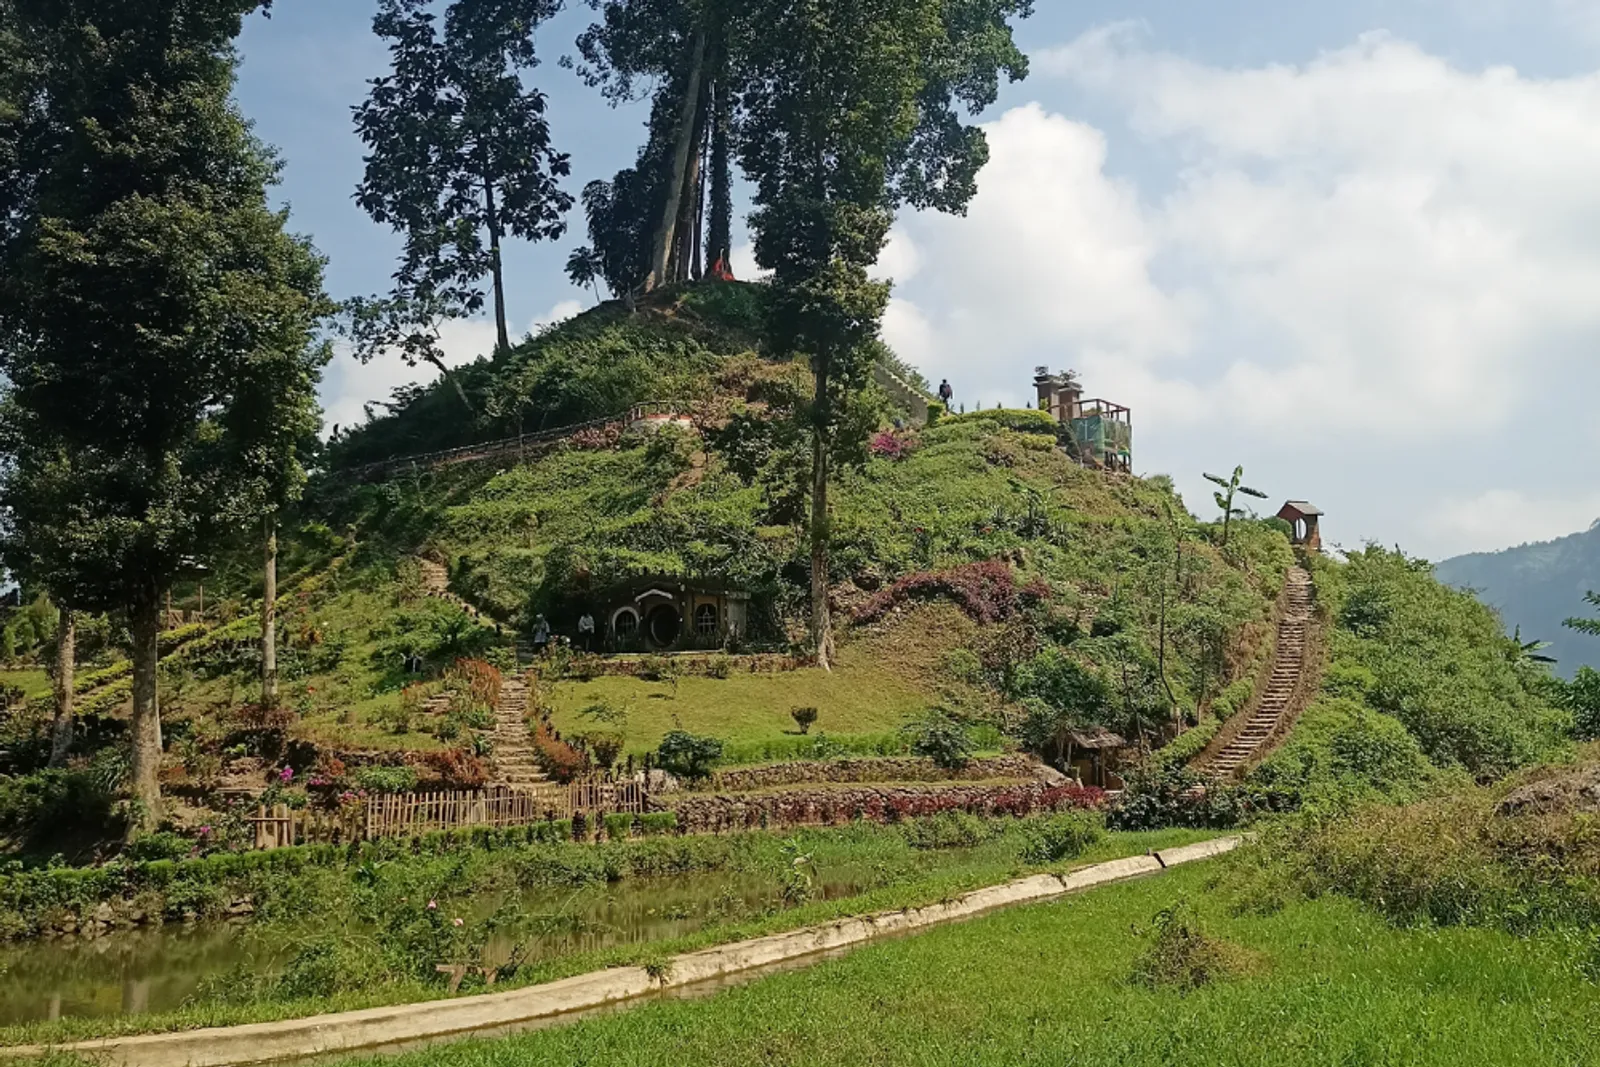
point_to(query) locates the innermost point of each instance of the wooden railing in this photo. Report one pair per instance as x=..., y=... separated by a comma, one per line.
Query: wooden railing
x=415, y=814
x=517, y=448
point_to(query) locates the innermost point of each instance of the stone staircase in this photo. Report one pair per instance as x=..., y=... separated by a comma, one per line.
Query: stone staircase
x=436, y=583
x=1277, y=701
x=514, y=761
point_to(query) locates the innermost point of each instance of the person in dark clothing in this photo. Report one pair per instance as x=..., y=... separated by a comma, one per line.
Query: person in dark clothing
x=945, y=392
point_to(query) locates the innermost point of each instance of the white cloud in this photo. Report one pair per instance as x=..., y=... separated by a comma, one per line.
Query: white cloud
x=1373, y=260
x=1511, y=517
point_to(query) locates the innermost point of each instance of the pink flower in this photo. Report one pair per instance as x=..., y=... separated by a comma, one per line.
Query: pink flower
x=458, y=922
x=433, y=905
x=204, y=830
x=286, y=775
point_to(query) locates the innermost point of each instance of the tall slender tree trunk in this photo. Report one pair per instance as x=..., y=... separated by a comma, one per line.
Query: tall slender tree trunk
x=492, y=216
x=666, y=232
x=821, y=617
x=719, y=237
x=66, y=662
x=269, y=617
x=145, y=623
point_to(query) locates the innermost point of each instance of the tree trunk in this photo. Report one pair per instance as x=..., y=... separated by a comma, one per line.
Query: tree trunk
x=269, y=618
x=682, y=266
x=66, y=661
x=719, y=236
x=666, y=232
x=145, y=623
x=492, y=216
x=455, y=383
x=821, y=621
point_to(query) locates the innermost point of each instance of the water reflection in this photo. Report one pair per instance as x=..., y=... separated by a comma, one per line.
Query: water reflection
x=138, y=971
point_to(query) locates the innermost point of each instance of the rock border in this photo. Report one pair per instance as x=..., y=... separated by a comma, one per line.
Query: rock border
x=370, y=1028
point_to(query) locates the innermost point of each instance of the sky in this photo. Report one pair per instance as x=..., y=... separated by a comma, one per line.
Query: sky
x=1354, y=247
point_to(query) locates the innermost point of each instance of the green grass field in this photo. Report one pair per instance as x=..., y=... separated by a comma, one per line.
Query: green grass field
x=319, y=903
x=1049, y=984
x=874, y=688
x=33, y=683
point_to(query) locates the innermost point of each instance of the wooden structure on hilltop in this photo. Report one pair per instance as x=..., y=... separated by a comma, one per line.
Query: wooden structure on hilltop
x=1103, y=430
x=1303, y=516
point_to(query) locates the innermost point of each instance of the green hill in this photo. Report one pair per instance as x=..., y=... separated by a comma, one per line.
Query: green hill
x=980, y=576
x=1536, y=587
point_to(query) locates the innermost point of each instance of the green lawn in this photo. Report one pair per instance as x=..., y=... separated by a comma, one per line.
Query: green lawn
x=33, y=683
x=1048, y=984
x=860, y=696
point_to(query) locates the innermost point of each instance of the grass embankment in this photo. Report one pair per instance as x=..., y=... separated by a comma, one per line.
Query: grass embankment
x=32, y=682
x=345, y=966
x=1053, y=983
x=867, y=694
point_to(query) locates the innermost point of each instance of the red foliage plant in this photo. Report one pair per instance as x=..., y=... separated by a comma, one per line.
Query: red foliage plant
x=458, y=768
x=891, y=445
x=481, y=680
x=558, y=759
x=986, y=591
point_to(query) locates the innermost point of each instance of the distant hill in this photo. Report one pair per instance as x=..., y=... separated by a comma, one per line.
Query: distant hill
x=1536, y=587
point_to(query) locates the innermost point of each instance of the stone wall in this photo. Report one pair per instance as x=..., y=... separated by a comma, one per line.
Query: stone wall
x=880, y=769
x=822, y=806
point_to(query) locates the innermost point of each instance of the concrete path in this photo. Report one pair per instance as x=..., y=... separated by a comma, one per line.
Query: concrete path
x=378, y=1027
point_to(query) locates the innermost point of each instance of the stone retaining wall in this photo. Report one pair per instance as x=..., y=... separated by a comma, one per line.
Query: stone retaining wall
x=881, y=769
x=720, y=813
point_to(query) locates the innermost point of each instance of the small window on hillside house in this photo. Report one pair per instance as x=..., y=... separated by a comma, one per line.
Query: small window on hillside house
x=626, y=624
x=705, y=620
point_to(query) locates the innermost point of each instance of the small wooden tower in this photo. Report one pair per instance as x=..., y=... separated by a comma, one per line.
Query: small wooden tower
x=1303, y=516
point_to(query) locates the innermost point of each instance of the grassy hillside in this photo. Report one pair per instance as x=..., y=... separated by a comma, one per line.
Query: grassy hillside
x=1537, y=587
x=977, y=572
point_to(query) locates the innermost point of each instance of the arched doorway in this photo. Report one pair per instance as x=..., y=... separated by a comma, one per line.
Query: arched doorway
x=664, y=625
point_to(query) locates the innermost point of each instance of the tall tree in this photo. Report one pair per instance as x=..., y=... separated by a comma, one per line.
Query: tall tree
x=460, y=158
x=850, y=111
x=686, y=49
x=152, y=308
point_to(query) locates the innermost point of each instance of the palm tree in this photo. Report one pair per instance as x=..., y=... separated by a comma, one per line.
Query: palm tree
x=1586, y=626
x=1225, y=499
x=1527, y=653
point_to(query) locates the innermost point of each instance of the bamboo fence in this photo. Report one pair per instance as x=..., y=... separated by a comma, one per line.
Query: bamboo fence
x=415, y=814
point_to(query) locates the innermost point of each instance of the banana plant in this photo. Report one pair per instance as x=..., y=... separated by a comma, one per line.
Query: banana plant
x=1231, y=488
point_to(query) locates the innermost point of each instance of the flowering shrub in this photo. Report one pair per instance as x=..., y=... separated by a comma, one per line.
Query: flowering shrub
x=459, y=768
x=892, y=446
x=479, y=680
x=986, y=591
x=558, y=759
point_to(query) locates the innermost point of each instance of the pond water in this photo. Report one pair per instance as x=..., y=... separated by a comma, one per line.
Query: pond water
x=156, y=970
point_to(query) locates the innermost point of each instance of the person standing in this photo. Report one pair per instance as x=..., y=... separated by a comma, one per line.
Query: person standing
x=586, y=631
x=946, y=394
x=541, y=635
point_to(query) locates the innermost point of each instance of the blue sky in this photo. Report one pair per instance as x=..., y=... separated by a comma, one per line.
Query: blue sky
x=1351, y=246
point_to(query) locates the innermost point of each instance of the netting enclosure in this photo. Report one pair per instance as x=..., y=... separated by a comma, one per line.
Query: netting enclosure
x=1105, y=432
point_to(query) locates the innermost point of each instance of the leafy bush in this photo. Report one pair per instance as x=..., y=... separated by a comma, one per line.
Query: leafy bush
x=619, y=827
x=1061, y=837
x=458, y=768
x=1582, y=699
x=384, y=779
x=942, y=737
x=605, y=746
x=804, y=718
x=1158, y=797
x=688, y=756
x=656, y=823
x=947, y=829
x=164, y=845
x=1182, y=956
x=557, y=758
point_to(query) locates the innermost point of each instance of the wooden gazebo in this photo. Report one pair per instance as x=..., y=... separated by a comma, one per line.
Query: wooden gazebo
x=1303, y=517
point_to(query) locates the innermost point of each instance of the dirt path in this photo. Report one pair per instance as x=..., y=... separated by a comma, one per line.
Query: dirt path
x=1277, y=706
